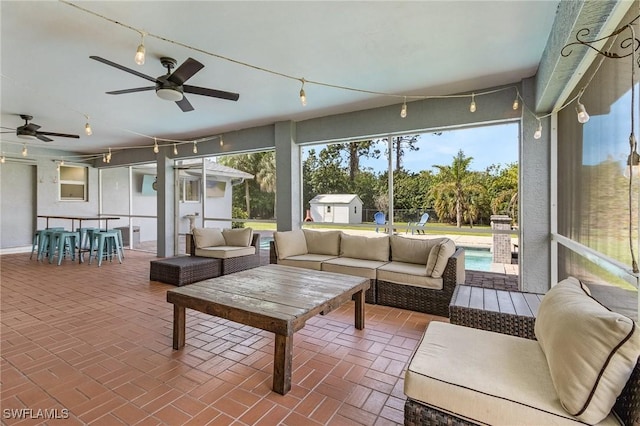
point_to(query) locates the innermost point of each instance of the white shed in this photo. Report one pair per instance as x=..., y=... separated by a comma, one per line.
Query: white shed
x=336, y=208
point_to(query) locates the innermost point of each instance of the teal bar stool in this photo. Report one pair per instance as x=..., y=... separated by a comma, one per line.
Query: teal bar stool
x=47, y=241
x=104, y=244
x=37, y=241
x=64, y=244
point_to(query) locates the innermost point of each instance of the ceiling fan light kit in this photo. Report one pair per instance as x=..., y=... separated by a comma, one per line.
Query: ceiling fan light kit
x=29, y=131
x=171, y=86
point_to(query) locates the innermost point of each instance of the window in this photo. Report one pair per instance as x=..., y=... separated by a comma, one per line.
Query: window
x=189, y=190
x=328, y=209
x=73, y=183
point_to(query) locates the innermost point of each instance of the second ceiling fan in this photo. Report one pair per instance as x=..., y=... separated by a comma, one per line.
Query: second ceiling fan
x=171, y=86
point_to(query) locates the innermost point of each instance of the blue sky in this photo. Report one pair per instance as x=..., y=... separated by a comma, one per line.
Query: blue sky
x=497, y=144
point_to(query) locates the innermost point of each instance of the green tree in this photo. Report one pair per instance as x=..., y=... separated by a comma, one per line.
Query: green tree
x=456, y=183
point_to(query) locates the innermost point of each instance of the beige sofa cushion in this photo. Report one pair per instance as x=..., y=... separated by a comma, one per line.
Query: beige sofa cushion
x=239, y=237
x=591, y=351
x=290, y=243
x=225, y=252
x=439, y=256
x=408, y=274
x=350, y=266
x=208, y=237
x=307, y=261
x=485, y=377
x=411, y=250
x=322, y=242
x=367, y=248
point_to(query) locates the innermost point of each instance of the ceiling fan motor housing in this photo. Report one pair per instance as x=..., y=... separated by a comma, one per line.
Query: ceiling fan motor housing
x=168, y=90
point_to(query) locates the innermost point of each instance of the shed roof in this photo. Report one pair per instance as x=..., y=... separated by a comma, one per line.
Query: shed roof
x=335, y=198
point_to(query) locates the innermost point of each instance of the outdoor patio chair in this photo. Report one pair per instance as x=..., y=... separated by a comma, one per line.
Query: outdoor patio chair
x=418, y=227
x=379, y=219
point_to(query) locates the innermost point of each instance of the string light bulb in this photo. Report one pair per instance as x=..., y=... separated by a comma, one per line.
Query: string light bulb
x=583, y=117
x=139, y=58
x=87, y=127
x=403, y=110
x=109, y=156
x=538, y=132
x=156, y=149
x=175, y=149
x=472, y=105
x=2, y=159
x=104, y=157
x=303, y=96
x=195, y=147
x=25, y=152
x=221, y=141
x=516, y=103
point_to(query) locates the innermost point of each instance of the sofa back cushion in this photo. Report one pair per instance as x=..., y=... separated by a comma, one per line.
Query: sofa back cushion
x=290, y=243
x=208, y=237
x=239, y=237
x=591, y=351
x=441, y=251
x=367, y=248
x=322, y=242
x=411, y=250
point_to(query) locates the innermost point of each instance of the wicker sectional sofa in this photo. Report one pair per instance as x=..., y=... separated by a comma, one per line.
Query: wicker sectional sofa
x=579, y=366
x=419, y=274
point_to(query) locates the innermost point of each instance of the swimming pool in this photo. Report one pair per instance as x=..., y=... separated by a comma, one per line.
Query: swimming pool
x=474, y=258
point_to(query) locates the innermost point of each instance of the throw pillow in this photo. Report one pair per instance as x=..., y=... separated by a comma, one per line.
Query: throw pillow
x=439, y=256
x=290, y=243
x=591, y=351
x=239, y=237
x=323, y=242
x=208, y=237
x=367, y=248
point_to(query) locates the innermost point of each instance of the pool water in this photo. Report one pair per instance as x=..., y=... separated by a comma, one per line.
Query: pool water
x=474, y=258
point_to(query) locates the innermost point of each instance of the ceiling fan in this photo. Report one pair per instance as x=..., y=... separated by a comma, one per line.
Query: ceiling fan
x=171, y=86
x=30, y=131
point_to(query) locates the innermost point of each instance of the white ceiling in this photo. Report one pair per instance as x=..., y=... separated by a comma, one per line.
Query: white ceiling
x=398, y=47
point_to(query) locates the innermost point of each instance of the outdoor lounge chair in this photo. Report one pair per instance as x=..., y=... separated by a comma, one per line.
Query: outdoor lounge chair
x=379, y=219
x=418, y=226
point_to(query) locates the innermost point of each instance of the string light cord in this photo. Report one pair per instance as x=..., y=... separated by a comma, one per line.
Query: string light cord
x=632, y=148
x=267, y=70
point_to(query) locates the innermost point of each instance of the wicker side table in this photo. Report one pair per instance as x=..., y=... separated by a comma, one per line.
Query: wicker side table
x=507, y=312
x=185, y=270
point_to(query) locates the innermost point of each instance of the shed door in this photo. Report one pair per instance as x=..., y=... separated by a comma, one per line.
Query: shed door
x=341, y=214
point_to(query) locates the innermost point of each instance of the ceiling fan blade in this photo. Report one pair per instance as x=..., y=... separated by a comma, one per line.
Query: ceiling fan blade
x=123, y=68
x=185, y=71
x=43, y=138
x=8, y=128
x=185, y=105
x=137, y=89
x=60, y=135
x=211, y=92
x=13, y=131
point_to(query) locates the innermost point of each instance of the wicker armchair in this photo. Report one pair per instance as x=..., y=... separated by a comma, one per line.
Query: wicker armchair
x=240, y=263
x=627, y=405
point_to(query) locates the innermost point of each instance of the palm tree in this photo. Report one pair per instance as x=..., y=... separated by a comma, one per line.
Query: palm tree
x=456, y=185
x=266, y=175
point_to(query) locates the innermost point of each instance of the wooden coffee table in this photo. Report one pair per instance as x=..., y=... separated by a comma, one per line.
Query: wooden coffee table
x=275, y=298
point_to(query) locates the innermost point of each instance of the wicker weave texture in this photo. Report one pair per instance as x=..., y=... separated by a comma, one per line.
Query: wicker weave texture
x=422, y=299
x=628, y=403
x=514, y=325
x=416, y=414
x=184, y=270
x=240, y=263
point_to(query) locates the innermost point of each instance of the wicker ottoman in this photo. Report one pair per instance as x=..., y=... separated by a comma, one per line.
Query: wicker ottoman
x=185, y=270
